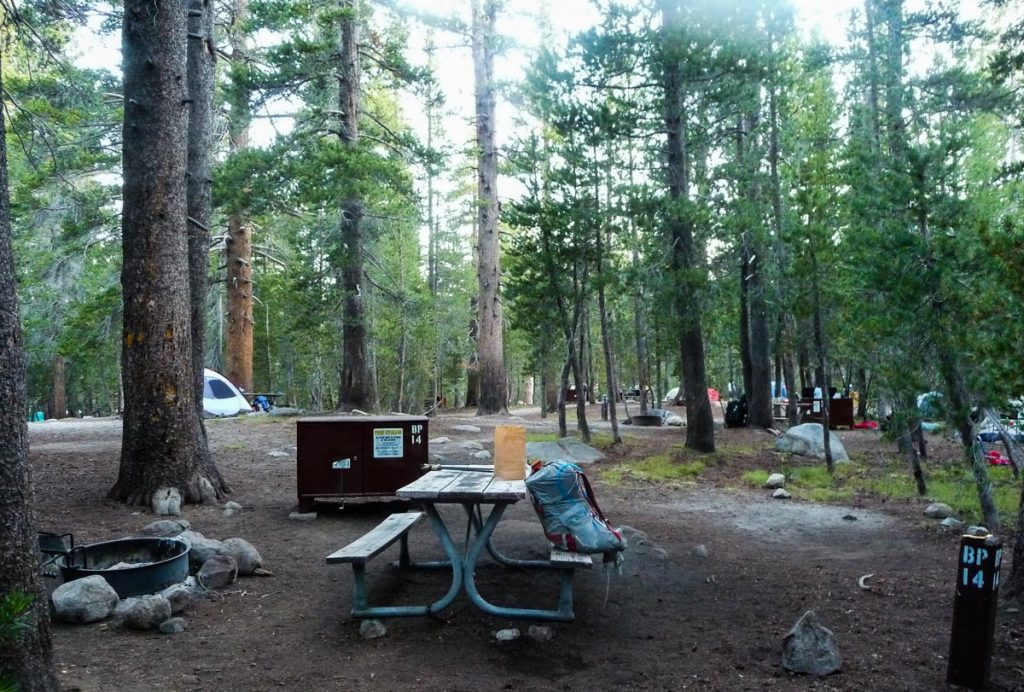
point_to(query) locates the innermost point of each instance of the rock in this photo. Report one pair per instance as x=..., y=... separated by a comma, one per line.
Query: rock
x=302, y=516
x=781, y=494
x=810, y=648
x=88, y=599
x=659, y=553
x=466, y=428
x=166, y=502
x=165, y=528
x=179, y=596
x=938, y=510
x=507, y=635
x=440, y=440
x=483, y=454
x=143, y=612
x=776, y=480
x=849, y=517
x=207, y=493
x=674, y=420
x=232, y=505
x=244, y=554
x=372, y=629
x=977, y=531
x=217, y=572
x=540, y=633
x=203, y=548
x=277, y=453
x=951, y=523
x=567, y=448
x=230, y=512
x=472, y=444
x=438, y=458
x=284, y=411
x=173, y=626
x=808, y=440
x=700, y=551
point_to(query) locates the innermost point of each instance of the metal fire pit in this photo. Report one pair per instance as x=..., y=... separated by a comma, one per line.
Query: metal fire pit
x=159, y=562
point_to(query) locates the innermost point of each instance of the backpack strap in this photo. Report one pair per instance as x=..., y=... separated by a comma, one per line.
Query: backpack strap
x=591, y=498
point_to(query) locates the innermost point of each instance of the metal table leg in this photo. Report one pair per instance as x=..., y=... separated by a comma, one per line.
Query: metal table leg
x=362, y=609
x=564, y=612
x=473, y=511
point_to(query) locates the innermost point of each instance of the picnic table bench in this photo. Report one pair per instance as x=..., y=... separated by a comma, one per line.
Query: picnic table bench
x=472, y=490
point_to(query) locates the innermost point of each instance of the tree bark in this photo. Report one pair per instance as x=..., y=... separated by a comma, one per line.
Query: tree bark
x=199, y=188
x=27, y=661
x=358, y=388
x=490, y=341
x=686, y=268
x=158, y=449
x=58, y=400
x=238, y=347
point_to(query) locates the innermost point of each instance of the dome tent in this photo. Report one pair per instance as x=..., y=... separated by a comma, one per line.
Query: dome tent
x=220, y=397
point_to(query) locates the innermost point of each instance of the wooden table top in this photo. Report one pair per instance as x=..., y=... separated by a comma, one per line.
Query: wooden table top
x=450, y=485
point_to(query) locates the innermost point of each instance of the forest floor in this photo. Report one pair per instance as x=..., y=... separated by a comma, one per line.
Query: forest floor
x=673, y=619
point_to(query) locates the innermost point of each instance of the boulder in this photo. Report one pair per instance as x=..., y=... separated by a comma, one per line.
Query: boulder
x=938, y=510
x=507, y=635
x=167, y=501
x=218, y=572
x=173, y=626
x=466, y=428
x=89, y=599
x=808, y=440
x=302, y=516
x=143, y=612
x=372, y=629
x=179, y=596
x=567, y=448
x=482, y=454
x=674, y=420
x=781, y=494
x=776, y=480
x=203, y=548
x=472, y=444
x=244, y=554
x=440, y=440
x=165, y=528
x=810, y=648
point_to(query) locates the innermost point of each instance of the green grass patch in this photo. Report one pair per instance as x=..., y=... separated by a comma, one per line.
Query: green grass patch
x=756, y=478
x=660, y=468
x=599, y=441
x=953, y=485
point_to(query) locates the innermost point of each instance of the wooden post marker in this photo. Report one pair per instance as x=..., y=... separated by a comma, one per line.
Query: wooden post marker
x=974, y=611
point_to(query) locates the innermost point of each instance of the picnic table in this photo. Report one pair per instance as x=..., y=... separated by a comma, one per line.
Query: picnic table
x=479, y=493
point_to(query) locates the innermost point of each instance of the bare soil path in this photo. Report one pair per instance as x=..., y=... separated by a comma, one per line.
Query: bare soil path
x=671, y=620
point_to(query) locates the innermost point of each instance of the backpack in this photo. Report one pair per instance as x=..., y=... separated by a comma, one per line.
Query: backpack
x=565, y=502
x=736, y=413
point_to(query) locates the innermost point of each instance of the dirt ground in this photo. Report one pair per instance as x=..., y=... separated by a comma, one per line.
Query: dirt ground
x=671, y=620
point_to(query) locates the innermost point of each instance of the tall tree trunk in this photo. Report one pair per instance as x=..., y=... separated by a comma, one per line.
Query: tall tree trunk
x=746, y=363
x=473, y=368
x=158, y=450
x=819, y=345
x=686, y=265
x=58, y=400
x=606, y=339
x=493, y=391
x=28, y=660
x=238, y=351
x=358, y=388
x=199, y=187
x=563, y=388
